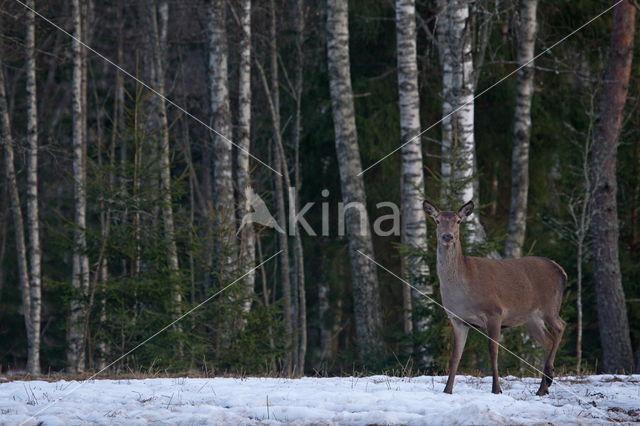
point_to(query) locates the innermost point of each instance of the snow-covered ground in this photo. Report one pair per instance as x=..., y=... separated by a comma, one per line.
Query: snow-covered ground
x=343, y=400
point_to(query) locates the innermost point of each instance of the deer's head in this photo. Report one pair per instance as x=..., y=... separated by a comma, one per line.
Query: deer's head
x=448, y=223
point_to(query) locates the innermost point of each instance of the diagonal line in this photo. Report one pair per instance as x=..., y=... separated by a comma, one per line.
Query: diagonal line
x=142, y=83
x=149, y=338
x=492, y=86
x=431, y=299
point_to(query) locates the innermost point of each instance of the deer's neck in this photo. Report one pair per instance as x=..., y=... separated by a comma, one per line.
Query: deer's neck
x=451, y=264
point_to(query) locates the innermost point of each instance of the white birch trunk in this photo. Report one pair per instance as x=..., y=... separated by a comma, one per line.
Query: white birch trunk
x=414, y=224
x=243, y=139
x=458, y=58
x=159, y=13
x=522, y=130
x=366, y=297
x=446, y=125
x=223, y=195
x=33, y=223
x=80, y=271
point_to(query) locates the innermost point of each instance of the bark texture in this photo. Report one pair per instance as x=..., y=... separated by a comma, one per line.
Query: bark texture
x=414, y=223
x=458, y=87
x=446, y=124
x=247, y=234
x=222, y=179
x=33, y=223
x=366, y=297
x=522, y=130
x=612, y=311
x=159, y=15
x=80, y=271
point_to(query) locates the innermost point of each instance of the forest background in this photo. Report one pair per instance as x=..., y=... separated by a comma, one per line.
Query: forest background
x=120, y=209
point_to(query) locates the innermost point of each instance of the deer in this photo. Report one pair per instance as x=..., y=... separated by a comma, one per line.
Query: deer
x=494, y=294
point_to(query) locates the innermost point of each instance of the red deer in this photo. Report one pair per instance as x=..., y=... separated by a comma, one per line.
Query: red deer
x=495, y=294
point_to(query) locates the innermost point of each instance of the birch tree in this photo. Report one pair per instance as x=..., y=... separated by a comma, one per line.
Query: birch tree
x=414, y=224
x=612, y=310
x=458, y=88
x=222, y=179
x=18, y=221
x=522, y=129
x=446, y=123
x=159, y=15
x=33, y=223
x=247, y=235
x=80, y=270
x=366, y=297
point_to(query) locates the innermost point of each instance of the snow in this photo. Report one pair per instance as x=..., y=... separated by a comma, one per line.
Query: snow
x=338, y=400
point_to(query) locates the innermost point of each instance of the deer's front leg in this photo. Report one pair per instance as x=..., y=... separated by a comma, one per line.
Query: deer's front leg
x=460, y=331
x=493, y=330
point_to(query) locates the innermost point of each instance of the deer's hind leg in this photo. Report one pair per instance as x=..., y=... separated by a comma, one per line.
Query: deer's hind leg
x=556, y=328
x=549, y=340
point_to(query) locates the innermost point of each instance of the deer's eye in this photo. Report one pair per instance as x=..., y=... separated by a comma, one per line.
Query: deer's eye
x=437, y=221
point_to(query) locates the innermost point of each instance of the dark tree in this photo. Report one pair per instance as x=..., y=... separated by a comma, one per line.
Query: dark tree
x=612, y=312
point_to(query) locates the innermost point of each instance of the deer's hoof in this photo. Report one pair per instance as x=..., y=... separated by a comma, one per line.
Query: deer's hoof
x=542, y=392
x=496, y=391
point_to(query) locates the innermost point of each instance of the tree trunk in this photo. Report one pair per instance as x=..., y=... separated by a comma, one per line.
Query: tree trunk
x=16, y=210
x=243, y=138
x=298, y=254
x=414, y=223
x=33, y=223
x=522, y=130
x=446, y=125
x=265, y=299
x=159, y=14
x=579, y=259
x=285, y=269
x=458, y=143
x=222, y=179
x=272, y=92
x=80, y=272
x=107, y=218
x=582, y=222
x=366, y=297
x=612, y=311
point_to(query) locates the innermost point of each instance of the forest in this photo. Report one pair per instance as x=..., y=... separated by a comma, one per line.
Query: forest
x=236, y=187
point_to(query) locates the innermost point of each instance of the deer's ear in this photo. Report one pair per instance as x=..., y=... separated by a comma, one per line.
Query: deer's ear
x=430, y=209
x=466, y=209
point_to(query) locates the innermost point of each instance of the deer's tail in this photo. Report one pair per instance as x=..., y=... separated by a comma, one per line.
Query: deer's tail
x=562, y=275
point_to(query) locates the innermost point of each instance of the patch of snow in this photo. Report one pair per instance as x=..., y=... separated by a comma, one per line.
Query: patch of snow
x=338, y=400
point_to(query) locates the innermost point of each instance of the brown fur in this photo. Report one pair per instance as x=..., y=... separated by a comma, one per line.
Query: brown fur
x=495, y=294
